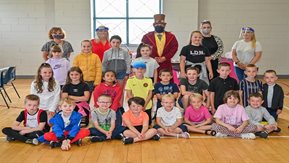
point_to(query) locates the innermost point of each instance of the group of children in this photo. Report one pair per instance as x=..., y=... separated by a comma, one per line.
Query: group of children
x=215, y=109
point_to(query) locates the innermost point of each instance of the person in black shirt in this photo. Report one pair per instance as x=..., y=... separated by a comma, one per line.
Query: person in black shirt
x=213, y=43
x=35, y=123
x=196, y=54
x=220, y=85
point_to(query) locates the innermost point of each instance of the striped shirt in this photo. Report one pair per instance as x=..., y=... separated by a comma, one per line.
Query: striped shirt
x=249, y=87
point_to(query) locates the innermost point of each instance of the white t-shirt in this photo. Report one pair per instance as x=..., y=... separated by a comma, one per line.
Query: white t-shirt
x=32, y=121
x=245, y=51
x=151, y=65
x=66, y=119
x=169, y=118
x=48, y=100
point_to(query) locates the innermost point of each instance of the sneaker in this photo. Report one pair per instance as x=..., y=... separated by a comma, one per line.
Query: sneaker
x=262, y=134
x=32, y=141
x=78, y=142
x=54, y=144
x=185, y=135
x=156, y=137
x=277, y=130
x=9, y=139
x=127, y=140
x=248, y=136
x=96, y=139
x=220, y=135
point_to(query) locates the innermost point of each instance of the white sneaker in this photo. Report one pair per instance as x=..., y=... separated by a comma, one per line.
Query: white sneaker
x=248, y=136
x=220, y=135
x=185, y=135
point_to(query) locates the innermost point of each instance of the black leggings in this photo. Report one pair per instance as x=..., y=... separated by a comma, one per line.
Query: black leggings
x=15, y=134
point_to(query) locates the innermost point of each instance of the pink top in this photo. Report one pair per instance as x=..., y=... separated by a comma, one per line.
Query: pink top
x=232, y=116
x=197, y=115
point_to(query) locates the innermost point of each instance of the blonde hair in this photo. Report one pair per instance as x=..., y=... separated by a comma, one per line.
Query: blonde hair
x=253, y=40
x=168, y=96
x=198, y=96
x=66, y=100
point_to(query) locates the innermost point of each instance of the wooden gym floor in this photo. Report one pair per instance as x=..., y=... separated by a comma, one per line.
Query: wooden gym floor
x=199, y=148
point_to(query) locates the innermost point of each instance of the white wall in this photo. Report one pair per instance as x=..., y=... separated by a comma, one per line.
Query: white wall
x=24, y=25
x=269, y=18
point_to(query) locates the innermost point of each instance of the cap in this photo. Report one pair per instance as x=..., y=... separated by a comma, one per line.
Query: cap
x=139, y=64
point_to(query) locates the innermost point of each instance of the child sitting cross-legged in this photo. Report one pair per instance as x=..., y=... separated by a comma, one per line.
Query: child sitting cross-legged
x=136, y=122
x=169, y=119
x=231, y=118
x=65, y=127
x=197, y=117
x=34, y=123
x=257, y=112
x=103, y=119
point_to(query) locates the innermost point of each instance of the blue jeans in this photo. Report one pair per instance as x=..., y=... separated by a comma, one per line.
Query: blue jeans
x=240, y=73
x=120, y=75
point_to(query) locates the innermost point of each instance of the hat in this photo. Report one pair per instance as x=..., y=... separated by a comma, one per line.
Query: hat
x=139, y=64
x=102, y=27
x=159, y=19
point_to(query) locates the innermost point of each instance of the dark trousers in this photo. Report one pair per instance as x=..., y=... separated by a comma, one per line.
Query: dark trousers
x=215, y=67
x=15, y=134
x=182, y=127
x=115, y=134
x=273, y=112
x=240, y=73
x=149, y=112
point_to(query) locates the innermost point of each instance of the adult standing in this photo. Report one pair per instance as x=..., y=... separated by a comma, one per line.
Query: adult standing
x=164, y=44
x=246, y=51
x=213, y=43
x=56, y=36
x=101, y=43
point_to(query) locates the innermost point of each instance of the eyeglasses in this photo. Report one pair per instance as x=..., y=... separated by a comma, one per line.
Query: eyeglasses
x=104, y=102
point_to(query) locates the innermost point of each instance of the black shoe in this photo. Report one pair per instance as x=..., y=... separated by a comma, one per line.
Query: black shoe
x=127, y=140
x=263, y=134
x=32, y=141
x=156, y=137
x=9, y=139
x=78, y=142
x=54, y=144
x=277, y=130
x=97, y=139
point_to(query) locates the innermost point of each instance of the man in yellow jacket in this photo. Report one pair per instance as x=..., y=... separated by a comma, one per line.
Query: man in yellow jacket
x=89, y=64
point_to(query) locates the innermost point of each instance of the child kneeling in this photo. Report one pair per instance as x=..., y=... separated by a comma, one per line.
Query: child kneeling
x=137, y=123
x=103, y=119
x=169, y=119
x=65, y=127
x=197, y=117
x=231, y=118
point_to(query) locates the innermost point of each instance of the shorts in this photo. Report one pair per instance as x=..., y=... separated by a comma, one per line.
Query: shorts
x=120, y=75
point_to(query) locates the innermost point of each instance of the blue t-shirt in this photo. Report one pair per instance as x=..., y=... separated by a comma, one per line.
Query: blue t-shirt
x=162, y=89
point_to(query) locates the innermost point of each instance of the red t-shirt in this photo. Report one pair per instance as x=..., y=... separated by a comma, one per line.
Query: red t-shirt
x=99, y=48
